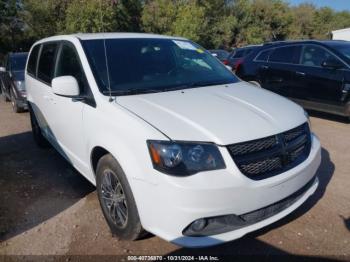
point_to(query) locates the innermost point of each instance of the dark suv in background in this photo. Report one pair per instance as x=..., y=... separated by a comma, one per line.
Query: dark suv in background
x=220, y=54
x=237, y=55
x=315, y=74
x=12, y=81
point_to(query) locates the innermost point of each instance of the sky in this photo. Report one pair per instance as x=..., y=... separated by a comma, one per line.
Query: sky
x=338, y=5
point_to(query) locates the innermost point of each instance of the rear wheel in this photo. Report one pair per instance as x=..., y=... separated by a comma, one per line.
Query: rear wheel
x=116, y=200
x=2, y=91
x=39, y=139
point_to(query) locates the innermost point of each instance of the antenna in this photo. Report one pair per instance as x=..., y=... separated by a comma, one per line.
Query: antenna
x=107, y=67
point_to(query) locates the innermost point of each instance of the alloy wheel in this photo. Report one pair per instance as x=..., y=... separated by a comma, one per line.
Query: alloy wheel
x=113, y=198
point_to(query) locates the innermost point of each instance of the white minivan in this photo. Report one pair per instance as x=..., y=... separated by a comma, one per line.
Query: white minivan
x=175, y=143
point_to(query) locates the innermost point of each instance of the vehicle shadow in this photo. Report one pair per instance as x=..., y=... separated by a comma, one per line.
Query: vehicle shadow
x=35, y=184
x=346, y=222
x=244, y=250
x=250, y=245
x=328, y=116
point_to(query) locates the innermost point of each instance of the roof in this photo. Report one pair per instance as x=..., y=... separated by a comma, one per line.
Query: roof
x=306, y=41
x=91, y=36
x=248, y=46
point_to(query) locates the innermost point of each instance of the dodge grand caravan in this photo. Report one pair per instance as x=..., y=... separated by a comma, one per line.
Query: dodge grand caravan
x=175, y=143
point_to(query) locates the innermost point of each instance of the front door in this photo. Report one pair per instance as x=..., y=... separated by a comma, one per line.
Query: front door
x=68, y=112
x=321, y=84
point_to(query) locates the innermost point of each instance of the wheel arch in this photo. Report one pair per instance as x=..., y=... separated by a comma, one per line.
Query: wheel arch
x=96, y=154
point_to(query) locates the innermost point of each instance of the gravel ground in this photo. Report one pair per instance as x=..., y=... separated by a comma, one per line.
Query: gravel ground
x=47, y=208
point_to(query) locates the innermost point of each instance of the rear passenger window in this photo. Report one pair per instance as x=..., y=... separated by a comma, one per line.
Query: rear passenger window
x=68, y=64
x=263, y=56
x=288, y=54
x=47, y=62
x=33, y=58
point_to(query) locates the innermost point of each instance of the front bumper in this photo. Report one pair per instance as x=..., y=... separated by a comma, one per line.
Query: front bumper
x=173, y=203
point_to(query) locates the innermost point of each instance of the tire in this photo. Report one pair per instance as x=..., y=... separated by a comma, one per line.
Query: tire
x=14, y=104
x=39, y=139
x=255, y=83
x=116, y=200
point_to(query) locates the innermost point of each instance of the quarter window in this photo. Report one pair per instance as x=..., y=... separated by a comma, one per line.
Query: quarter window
x=47, y=62
x=314, y=55
x=68, y=63
x=287, y=54
x=33, y=58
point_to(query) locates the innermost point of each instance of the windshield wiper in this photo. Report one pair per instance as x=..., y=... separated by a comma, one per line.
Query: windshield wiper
x=134, y=91
x=137, y=91
x=209, y=83
x=196, y=84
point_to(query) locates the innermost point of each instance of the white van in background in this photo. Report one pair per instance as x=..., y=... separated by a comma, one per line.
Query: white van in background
x=342, y=34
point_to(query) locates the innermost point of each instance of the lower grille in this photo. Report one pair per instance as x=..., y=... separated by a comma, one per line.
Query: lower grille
x=227, y=223
x=270, y=156
x=266, y=212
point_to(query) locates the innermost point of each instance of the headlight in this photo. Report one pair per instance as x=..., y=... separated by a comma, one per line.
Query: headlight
x=184, y=158
x=20, y=85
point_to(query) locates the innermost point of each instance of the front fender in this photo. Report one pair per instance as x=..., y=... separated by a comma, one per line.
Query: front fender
x=123, y=135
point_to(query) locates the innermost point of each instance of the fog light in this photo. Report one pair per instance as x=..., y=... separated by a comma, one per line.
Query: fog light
x=199, y=224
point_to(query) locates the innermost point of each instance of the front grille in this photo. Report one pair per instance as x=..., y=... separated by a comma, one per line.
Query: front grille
x=273, y=155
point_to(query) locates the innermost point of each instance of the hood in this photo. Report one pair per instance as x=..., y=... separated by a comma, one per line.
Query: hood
x=17, y=75
x=224, y=114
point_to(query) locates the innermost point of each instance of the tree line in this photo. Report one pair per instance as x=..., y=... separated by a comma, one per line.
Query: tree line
x=212, y=23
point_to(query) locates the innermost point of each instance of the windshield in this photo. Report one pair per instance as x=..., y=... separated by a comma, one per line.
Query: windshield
x=18, y=62
x=142, y=65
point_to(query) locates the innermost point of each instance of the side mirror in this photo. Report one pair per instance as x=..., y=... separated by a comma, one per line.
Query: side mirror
x=332, y=63
x=66, y=86
x=2, y=69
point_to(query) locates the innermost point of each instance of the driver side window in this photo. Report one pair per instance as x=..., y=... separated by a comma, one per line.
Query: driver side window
x=68, y=64
x=313, y=55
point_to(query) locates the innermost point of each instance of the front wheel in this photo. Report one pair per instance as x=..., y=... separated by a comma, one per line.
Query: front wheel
x=14, y=104
x=116, y=200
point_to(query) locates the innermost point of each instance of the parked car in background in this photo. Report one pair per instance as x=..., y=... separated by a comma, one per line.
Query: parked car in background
x=198, y=171
x=220, y=54
x=236, y=56
x=12, y=81
x=315, y=74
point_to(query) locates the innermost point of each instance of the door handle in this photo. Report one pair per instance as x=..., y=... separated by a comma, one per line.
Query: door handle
x=264, y=67
x=300, y=73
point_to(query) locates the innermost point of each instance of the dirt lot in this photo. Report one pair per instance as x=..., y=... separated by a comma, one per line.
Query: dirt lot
x=47, y=208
